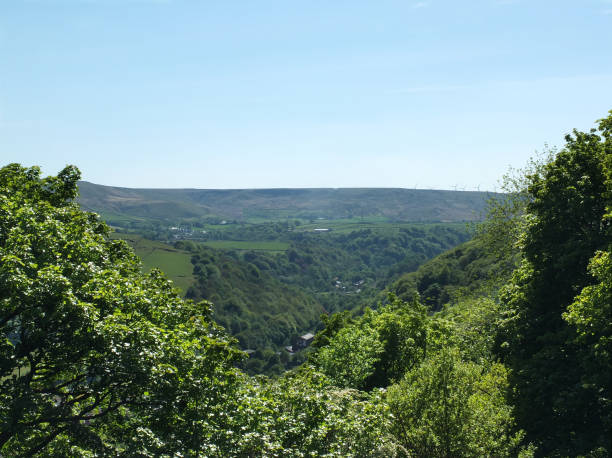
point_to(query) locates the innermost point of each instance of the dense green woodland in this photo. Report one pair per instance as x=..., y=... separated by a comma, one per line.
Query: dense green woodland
x=500, y=347
x=265, y=299
x=271, y=281
x=467, y=270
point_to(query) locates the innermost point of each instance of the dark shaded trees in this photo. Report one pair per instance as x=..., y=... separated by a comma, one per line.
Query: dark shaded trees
x=565, y=227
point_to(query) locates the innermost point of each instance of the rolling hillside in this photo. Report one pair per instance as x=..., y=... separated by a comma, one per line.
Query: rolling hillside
x=175, y=263
x=256, y=205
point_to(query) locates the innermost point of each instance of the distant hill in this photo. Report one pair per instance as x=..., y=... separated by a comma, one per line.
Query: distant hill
x=415, y=205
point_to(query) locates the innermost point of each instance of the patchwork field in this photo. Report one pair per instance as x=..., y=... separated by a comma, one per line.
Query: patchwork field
x=379, y=224
x=176, y=264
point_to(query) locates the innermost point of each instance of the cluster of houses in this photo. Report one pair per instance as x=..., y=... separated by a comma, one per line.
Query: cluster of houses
x=358, y=284
x=302, y=342
x=186, y=232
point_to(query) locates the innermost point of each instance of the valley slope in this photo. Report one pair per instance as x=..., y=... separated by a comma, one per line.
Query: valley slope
x=273, y=260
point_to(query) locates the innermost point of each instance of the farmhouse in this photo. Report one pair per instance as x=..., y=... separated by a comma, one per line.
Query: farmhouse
x=304, y=341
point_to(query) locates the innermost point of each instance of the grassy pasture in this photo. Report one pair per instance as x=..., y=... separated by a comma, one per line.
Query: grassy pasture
x=275, y=246
x=122, y=220
x=176, y=264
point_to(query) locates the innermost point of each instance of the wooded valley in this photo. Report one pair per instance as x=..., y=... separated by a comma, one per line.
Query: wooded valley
x=447, y=326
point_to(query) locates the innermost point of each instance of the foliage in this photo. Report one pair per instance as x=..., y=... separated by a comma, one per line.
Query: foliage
x=332, y=324
x=350, y=357
x=470, y=269
x=501, y=231
x=403, y=330
x=566, y=225
x=302, y=414
x=447, y=395
x=94, y=356
x=590, y=314
x=376, y=349
x=448, y=407
x=259, y=310
x=264, y=299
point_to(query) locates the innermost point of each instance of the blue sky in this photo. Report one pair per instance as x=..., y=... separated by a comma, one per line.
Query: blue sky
x=255, y=94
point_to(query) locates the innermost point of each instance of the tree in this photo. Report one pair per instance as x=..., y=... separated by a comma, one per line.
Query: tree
x=350, y=357
x=402, y=328
x=565, y=226
x=333, y=324
x=447, y=407
x=95, y=356
x=591, y=315
x=302, y=414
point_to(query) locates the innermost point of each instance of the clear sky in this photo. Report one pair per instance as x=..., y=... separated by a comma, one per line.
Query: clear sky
x=333, y=93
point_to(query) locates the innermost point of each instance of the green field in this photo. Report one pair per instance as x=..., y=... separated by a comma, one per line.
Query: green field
x=176, y=264
x=374, y=223
x=273, y=246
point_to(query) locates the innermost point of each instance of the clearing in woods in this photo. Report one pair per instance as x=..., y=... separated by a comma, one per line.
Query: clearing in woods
x=176, y=264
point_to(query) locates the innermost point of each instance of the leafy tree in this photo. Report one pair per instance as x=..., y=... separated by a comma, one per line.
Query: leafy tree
x=447, y=407
x=449, y=396
x=303, y=414
x=403, y=331
x=333, y=324
x=351, y=356
x=472, y=327
x=94, y=356
x=565, y=227
x=591, y=314
x=506, y=220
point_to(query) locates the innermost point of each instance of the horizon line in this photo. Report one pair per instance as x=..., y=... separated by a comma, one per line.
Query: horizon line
x=280, y=188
